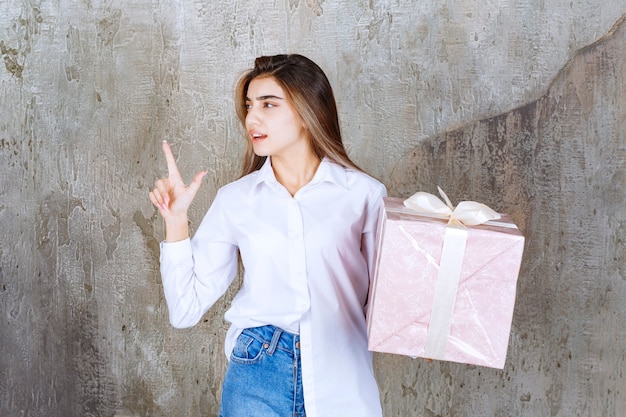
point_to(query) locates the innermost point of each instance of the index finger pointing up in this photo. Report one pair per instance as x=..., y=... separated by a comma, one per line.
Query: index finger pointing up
x=172, y=168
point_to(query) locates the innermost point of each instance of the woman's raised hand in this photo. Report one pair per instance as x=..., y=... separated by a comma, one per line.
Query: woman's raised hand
x=173, y=198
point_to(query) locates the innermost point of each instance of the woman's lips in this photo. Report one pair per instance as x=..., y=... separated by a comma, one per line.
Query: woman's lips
x=257, y=137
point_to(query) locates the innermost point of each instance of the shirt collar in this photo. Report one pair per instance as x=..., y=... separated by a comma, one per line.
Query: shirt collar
x=331, y=172
x=327, y=171
x=266, y=173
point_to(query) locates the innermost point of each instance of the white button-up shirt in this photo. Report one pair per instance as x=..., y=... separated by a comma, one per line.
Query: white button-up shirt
x=307, y=261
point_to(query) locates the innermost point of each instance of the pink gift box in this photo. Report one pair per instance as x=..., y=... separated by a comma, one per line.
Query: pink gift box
x=405, y=280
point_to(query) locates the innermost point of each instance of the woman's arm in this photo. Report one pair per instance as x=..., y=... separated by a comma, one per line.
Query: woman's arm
x=191, y=283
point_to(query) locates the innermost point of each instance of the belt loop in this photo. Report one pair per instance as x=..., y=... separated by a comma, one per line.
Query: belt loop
x=275, y=337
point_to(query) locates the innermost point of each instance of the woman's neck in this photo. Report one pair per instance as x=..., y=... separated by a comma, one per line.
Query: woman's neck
x=295, y=173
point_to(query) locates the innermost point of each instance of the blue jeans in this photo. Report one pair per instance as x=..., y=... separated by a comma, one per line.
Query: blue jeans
x=264, y=376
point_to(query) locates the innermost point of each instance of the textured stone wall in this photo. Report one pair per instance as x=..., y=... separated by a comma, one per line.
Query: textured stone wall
x=518, y=104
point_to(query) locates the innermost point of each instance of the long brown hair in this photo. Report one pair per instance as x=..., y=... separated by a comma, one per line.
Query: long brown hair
x=309, y=92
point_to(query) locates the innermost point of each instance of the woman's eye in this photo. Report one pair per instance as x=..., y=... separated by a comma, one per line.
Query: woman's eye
x=268, y=105
x=247, y=106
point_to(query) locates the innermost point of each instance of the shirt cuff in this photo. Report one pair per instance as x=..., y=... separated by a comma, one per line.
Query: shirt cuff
x=175, y=252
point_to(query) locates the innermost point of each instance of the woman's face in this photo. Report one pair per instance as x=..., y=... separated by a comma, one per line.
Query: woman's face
x=273, y=126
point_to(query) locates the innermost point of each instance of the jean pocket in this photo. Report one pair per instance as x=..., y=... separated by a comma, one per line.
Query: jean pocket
x=247, y=350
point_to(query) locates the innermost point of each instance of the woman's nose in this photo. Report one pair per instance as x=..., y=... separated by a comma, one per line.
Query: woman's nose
x=252, y=115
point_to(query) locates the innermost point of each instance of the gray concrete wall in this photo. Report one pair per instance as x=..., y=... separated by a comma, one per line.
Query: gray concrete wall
x=519, y=104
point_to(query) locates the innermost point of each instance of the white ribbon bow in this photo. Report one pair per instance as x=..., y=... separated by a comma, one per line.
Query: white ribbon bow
x=467, y=213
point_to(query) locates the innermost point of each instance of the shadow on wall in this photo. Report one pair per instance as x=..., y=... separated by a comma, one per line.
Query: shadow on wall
x=558, y=167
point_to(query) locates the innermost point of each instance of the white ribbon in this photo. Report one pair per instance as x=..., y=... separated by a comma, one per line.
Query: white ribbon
x=467, y=213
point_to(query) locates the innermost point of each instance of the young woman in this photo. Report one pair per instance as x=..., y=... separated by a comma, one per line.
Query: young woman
x=303, y=218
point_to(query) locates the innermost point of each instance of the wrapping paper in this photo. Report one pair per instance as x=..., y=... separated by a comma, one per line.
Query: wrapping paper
x=407, y=290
